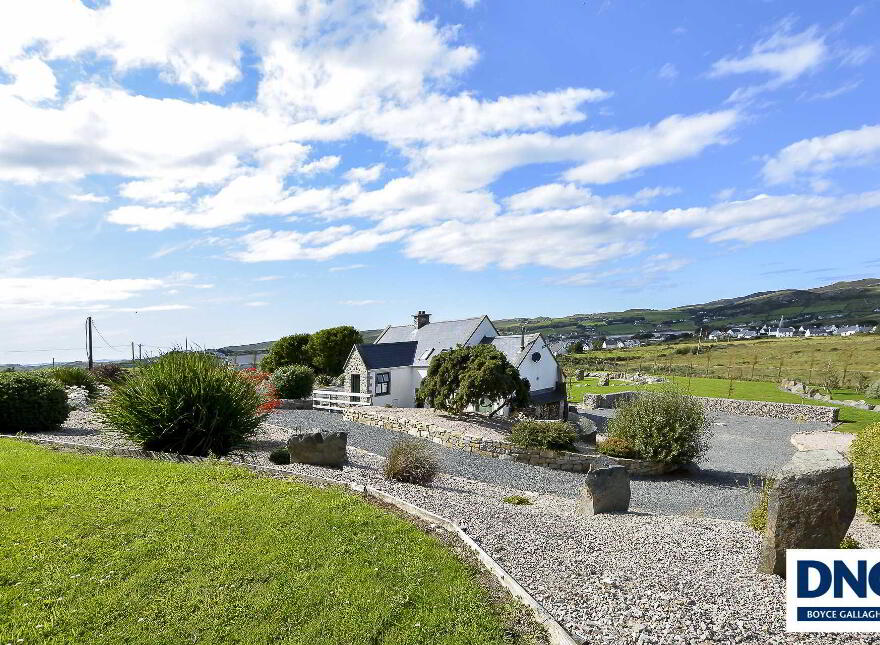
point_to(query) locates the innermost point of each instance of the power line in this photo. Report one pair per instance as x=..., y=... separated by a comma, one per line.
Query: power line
x=95, y=327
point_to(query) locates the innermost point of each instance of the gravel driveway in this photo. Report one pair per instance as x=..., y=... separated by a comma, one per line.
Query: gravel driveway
x=724, y=486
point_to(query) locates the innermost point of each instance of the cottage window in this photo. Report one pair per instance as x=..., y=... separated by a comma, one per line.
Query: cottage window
x=383, y=383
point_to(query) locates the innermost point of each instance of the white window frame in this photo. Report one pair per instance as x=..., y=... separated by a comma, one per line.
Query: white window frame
x=385, y=381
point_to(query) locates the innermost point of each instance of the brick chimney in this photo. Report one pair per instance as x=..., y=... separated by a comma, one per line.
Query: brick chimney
x=421, y=319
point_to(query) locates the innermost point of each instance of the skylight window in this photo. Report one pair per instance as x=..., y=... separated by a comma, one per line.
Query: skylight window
x=427, y=354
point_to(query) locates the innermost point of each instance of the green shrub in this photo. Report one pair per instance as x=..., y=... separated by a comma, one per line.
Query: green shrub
x=31, y=402
x=189, y=403
x=849, y=543
x=287, y=350
x=74, y=376
x=665, y=426
x=546, y=435
x=865, y=455
x=410, y=461
x=517, y=500
x=758, y=515
x=617, y=447
x=322, y=380
x=293, y=381
x=873, y=390
x=109, y=374
x=280, y=456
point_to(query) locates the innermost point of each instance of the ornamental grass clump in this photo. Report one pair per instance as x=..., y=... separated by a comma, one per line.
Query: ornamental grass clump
x=31, y=402
x=865, y=455
x=411, y=462
x=74, y=376
x=544, y=435
x=109, y=374
x=666, y=426
x=293, y=381
x=188, y=403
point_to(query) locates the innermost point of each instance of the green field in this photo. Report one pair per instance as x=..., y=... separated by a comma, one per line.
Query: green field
x=111, y=550
x=767, y=359
x=851, y=419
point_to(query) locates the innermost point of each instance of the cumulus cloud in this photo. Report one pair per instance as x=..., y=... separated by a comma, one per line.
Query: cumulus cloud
x=49, y=292
x=90, y=197
x=265, y=245
x=819, y=155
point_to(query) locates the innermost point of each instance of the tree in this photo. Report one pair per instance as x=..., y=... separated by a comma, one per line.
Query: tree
x=329, y=348
x=597, y=342
x=287, y=350
x=467, y=376
x=576, y=347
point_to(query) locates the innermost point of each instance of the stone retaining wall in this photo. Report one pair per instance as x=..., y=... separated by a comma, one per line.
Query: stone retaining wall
x=575, y=462
x=790, y=411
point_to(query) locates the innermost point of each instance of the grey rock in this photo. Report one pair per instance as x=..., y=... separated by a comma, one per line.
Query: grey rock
x=797, y=388
x=810, y=507
x=603, y=380
x=318, y=448
x=606, y=490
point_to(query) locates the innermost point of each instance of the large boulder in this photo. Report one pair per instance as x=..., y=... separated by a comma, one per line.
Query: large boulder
x=810, y=507
x=606, y=490
x=318, y=448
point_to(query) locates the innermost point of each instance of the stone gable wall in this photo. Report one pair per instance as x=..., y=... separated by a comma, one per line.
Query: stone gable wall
x=355, y=365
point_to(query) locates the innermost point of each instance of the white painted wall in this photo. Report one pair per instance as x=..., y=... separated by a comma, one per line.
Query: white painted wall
x=541, y=374
x=402, y=391
x=484, y=329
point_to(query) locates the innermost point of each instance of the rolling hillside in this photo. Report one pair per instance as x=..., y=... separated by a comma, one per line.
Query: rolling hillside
x=838, y=303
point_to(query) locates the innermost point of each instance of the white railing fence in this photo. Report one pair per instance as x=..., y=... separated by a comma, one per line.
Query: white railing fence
x=339, y=400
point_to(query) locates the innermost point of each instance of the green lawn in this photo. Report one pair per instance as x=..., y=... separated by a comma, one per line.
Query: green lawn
x=852, y=420
x=112, y=550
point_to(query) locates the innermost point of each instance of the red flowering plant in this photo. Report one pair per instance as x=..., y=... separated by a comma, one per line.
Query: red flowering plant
x=264, y=388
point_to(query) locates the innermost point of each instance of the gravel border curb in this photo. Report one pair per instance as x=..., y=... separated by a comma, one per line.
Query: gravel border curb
x=557, y=634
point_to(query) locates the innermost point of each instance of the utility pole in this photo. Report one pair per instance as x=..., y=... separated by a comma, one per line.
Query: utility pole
x=132, y=352
x=186, y=343
x=140, y=352
x=91, y=357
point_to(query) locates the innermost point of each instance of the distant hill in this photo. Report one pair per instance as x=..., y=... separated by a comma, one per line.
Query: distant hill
x=841, y=302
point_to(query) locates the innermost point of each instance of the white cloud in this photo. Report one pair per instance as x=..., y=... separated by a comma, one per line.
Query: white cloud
x=49, y=292
x=265, y=245
x=668, y=72
x=365, y=175
x=33, y=80
x=821, y=154
x=256, y=303
x=268, y=278
x=90, y=197
x=783, y=56
x=150, y=308
x=321, y=165
x=592, y=234
x=348, y=267
x=361, y=303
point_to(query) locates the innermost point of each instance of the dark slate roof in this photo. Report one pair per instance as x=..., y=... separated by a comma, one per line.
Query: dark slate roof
x=510, y=346
x=435, y=336
x=377, y=357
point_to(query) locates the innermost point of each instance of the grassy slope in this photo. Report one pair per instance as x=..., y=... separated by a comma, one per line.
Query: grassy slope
x=767, y=359
x=852, y=420
x=110, y=550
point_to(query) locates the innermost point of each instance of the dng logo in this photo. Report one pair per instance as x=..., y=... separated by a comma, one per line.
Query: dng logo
x=832, y=590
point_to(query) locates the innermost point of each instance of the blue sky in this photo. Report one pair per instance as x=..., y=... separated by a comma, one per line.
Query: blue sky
x=234, y=173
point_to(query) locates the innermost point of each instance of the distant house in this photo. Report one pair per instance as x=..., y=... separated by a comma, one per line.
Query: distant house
x=783, y=332
x=747, y=334
x=717, y=335
x=852, y=330
x=243, y=356
x=815, y=332
x=392, y=368
x=832, y=330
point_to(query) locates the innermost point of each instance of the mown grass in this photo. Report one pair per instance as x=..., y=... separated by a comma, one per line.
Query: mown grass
x=852, y=419
x=111, y=550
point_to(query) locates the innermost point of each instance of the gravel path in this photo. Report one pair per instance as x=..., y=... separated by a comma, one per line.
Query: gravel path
x=725, y=486
x=634, y=578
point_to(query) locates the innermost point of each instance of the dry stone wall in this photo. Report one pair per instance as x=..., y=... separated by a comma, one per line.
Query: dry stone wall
x=790, y=411
x=556, y=459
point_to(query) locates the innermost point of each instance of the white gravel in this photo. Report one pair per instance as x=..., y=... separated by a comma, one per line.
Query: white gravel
x=634, y=578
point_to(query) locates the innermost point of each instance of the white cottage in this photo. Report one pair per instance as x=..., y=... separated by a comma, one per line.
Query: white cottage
x=392, y=368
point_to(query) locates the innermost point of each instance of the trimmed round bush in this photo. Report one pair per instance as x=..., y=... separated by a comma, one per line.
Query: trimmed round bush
x=74, y=376
x=293, y=381
x=616, y=447
x=873, y=390
x=411, y=462
x=865, y=455
x=666, y=426
x=31, y=402
x=545, y=435
x=185, y=402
